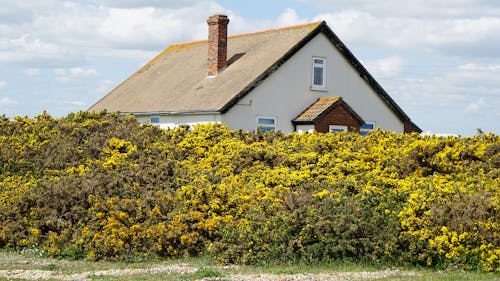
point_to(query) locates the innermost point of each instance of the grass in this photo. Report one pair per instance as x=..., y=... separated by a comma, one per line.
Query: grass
x=204, y=268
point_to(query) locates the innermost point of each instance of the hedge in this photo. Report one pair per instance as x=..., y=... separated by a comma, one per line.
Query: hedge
x=103, y=186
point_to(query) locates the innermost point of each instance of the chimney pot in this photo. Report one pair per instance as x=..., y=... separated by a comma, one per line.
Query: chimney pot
x=217, y=43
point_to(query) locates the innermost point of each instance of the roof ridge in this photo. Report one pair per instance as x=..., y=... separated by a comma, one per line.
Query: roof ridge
x=315, y=23
x=330, y=98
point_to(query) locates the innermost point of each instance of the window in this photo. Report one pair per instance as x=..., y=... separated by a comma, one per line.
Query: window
x=366, y=128
x=154, y=119
x=319, y=74
x=337, y=128
x=266, y=124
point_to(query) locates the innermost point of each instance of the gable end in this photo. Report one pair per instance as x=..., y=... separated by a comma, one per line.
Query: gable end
x=365, y=75
x=347, y=54
x=275, y=66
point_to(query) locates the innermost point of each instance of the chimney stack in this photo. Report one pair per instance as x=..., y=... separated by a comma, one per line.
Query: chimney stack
x=217, y=43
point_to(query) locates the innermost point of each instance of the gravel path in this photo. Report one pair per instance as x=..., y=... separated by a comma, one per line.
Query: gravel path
x=187, y=269
x=46, y=274
x=322, y=276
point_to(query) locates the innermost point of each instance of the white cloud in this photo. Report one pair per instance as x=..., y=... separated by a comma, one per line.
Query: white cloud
x=69, y=75
x=63, y=34
x=151, y=3
x=455, y=36
x=105, y=87
x=150, y=26
x=14, y=11
x=290, y=17
x=32, y=71
x=480, y=67
x=75, y=103
x=26, y=49
x=2, y=84
x=7, y=102
x=476, y=106
x=386, y=67
x=482, y=78
x=415, y=8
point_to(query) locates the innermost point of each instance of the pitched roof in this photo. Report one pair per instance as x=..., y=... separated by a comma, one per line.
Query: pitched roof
x=321, y=107
x=176, y=80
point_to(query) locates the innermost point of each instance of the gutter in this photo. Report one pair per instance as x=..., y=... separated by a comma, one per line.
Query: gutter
x=174, y=113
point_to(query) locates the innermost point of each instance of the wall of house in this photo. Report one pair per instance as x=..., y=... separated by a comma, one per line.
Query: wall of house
x=287, y=92
x=338, y=116
x=172, y=121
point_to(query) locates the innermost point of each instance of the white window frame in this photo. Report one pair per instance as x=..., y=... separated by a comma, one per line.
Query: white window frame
x=321, y=87
x=266, y=127
x=364, y=131
x=336, y=128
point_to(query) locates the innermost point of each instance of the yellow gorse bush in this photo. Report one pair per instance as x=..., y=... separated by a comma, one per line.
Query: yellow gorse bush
x=102, y=186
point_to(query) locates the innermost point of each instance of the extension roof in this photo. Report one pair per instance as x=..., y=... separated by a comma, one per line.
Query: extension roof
x=175, y=81
x=321, y=107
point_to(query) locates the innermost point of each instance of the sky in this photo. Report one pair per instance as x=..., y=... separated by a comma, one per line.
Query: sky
x=438, y=59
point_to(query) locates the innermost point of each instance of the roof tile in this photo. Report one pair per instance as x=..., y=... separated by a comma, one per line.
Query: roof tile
x=315, y=109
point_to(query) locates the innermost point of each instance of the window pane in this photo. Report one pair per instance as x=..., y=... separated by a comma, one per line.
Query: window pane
x=363, y=133
x=318, y=61
x=266, y=129
x=155, y=119
x=337, y=128
x=318, y=76
x=367, y=126
x=266, y=121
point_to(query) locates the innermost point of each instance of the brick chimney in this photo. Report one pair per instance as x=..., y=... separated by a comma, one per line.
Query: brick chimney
x=217, y=43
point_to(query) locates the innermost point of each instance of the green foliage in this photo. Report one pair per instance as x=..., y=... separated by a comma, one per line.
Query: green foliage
x=102, y=186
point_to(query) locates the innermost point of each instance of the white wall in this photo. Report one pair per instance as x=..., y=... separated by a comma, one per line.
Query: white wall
x=305, y=129
x=172, y=121
x=286, y=93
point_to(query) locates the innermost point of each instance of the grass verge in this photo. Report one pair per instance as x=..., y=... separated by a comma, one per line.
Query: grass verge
x=14, y=266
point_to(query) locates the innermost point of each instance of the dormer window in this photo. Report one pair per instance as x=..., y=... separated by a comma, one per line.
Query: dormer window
x=318, y=74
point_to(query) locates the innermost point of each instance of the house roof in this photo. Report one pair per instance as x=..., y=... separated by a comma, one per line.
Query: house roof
x=176, y=80
x=320, y=108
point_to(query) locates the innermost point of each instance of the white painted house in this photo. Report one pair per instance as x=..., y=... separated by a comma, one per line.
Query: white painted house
x=298, y=78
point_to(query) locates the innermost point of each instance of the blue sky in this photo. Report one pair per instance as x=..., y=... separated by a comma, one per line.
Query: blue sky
x=439, y=59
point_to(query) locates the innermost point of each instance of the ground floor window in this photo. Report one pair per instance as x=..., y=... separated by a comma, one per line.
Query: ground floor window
x=154, y=120
x=337, y=128
x=266, y=123
x=366, y=128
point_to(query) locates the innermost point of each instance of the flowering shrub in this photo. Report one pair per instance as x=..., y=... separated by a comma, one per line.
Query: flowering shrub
x=102, y=186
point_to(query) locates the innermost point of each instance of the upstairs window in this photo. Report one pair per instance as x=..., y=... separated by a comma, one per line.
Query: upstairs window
x=337, y=128
x=266, y=124
x=319, y=74
x=366, y=128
